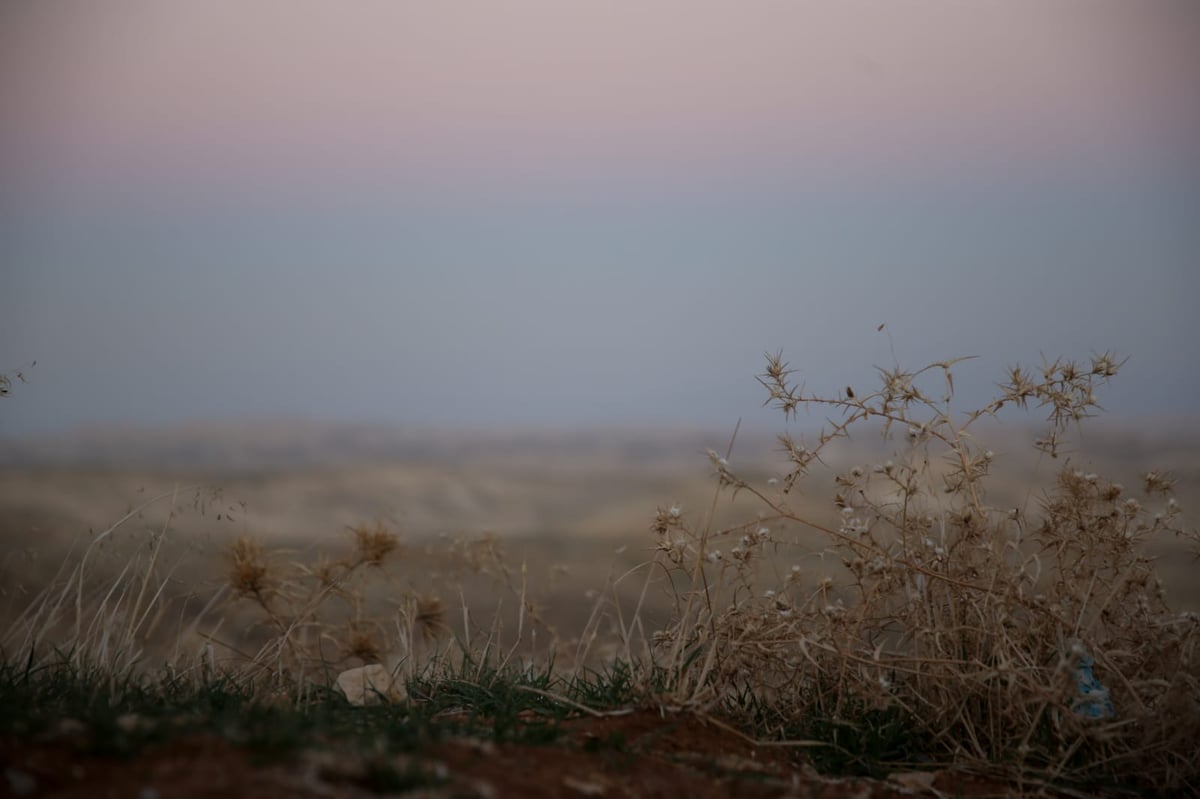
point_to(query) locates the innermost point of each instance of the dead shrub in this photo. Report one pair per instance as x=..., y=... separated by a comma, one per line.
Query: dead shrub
x=1040, y=640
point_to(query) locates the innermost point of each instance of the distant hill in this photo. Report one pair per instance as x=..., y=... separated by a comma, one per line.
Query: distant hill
x=290, y=444
x=282, y=444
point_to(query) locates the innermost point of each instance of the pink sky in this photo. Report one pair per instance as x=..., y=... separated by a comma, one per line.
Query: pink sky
x=584, y=210
x=239, y=91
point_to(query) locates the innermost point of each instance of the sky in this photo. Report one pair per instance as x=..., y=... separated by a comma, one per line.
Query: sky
x=585, y=212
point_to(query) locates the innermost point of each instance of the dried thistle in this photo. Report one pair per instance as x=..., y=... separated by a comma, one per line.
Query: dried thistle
x=363, y=645
x=1157, y=482
x=429, y=618
x=665, y=519
x=421, y=619
x=249, y=574
x=372, y=545
x=328, y=571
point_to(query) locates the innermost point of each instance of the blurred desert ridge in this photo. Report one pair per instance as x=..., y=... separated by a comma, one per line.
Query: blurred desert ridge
x=569, y=510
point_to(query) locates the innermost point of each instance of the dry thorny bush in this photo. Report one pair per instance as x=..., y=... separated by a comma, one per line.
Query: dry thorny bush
x=979, y=624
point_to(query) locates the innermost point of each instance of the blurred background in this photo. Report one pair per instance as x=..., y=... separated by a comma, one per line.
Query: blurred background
x=514, y=266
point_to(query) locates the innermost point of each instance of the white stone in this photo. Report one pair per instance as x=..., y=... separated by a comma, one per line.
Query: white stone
x=368, y=685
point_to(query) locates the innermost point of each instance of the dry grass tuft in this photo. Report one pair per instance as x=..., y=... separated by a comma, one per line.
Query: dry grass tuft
x=102, y=615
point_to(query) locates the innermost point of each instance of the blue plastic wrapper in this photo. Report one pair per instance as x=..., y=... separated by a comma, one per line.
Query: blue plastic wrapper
x=1092, y=700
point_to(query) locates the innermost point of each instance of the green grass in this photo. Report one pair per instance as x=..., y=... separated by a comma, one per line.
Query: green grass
x=119, y=715
x=100, y=714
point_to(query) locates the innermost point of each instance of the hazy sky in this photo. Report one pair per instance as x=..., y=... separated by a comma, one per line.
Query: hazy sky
x=588, y=211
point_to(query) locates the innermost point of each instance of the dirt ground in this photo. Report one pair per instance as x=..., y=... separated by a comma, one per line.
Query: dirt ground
x=638, y=754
